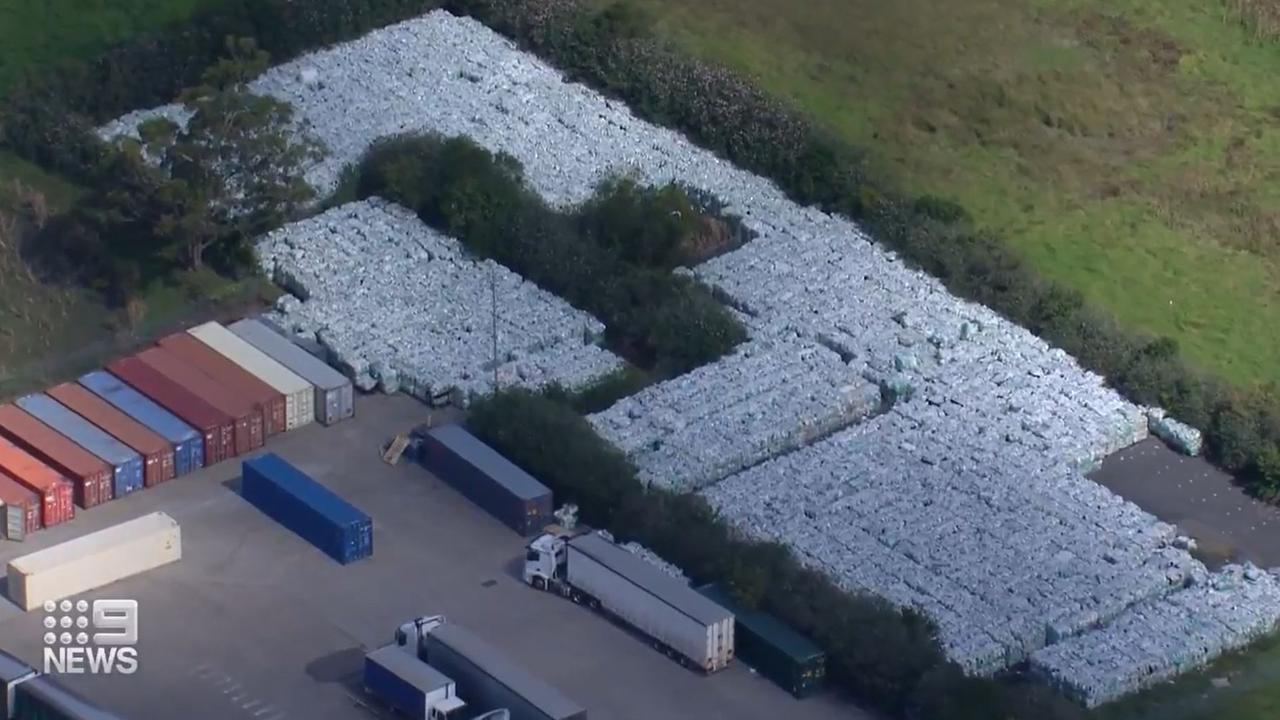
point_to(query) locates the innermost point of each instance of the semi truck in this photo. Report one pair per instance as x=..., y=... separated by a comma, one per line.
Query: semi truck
x=590, y=569
x=486, y=678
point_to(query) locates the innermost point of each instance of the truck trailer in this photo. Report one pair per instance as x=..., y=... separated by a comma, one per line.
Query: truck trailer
x=486, y=678
x=781, y=654
x=411, y=687
x=592, y=570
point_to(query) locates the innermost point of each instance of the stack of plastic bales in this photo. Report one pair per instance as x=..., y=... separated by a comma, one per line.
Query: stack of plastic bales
x=766, y=399
x=399, y=306
x=653, y=559
x=1158, y=640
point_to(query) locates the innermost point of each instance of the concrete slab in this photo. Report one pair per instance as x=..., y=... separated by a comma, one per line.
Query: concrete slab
x=1203, y=501
x=254, y=623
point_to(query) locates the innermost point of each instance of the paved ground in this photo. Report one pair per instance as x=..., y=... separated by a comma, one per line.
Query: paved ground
x=1200, y=499
x=256, y=624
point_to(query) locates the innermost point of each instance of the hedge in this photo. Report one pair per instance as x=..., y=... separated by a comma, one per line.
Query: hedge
x=876, y=653
x=612, y=256
x=614, y=50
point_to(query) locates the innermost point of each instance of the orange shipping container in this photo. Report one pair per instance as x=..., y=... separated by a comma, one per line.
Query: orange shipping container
x=91, y=476
x=248, y=420
x=54, y=489
x=156, y=452
x=269, y=401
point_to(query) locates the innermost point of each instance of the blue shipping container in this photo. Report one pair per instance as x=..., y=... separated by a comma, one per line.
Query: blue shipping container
x=313, y=511
x=126, y=465
x=188, y=445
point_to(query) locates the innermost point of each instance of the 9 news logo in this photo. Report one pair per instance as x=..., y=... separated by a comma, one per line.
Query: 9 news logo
x=93, y=639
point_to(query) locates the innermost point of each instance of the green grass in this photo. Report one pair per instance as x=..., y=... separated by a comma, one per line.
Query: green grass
x=1130, y=148
x=38, y=32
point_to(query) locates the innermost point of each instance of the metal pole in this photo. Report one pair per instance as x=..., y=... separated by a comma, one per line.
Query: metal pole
x=493, y=294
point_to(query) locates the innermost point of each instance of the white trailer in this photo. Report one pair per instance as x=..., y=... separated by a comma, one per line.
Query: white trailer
x=594, y=571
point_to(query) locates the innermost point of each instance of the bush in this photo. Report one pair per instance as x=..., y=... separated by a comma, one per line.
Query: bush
x=612, y=257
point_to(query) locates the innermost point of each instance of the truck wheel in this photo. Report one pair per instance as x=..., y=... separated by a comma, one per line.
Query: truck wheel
x=539, y=584
x=593, y=603
x=576, y=597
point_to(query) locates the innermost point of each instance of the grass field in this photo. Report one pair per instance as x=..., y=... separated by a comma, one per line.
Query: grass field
x=1130, y=148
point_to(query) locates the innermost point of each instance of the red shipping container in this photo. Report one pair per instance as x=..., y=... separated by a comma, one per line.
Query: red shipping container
x=248, y=421
x=217, y=429
x=268, y=400
x=16, y=495
x=156, y=452
x=90, y=476
x=54, y=489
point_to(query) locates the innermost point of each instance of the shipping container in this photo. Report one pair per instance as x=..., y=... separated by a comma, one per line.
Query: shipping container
x=43, y=698
x=781, y=654
x=299, y=395
x=13, y=672
x=90, y=476
x=21, y=508
x=486, y=478
x=334, y=399
x=156, y=452
x=216, y=428
x=247, y=429
x=411, y=687
x=267, y=400
x=663, y=608
x=311, y=510
x=126, y=465
x=54, y=490
x=186, y=442
x=94, y=560
x=488, y=680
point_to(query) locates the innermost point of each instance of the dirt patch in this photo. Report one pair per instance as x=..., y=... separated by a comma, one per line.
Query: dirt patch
x=713, y=237
x=1118, y=39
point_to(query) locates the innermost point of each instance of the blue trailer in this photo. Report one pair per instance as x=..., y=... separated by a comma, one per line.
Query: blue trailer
x=486, y=478
x=409, y=686
x=126, y=465
x=188, y=445
x=313, y=511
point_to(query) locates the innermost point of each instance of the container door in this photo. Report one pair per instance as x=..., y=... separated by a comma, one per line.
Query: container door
x=333, y=406
x=15, y=522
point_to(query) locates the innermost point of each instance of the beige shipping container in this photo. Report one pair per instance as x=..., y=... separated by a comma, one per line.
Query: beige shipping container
x=94, y=560
x=299, y=395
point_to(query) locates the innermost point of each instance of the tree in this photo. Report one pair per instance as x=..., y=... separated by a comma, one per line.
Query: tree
x=237, y=165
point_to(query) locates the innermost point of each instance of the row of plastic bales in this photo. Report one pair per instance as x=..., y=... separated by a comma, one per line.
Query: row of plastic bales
x=194, y=399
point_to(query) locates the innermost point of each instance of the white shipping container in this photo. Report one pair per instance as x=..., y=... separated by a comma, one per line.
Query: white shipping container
x=94, y=560
x=657, y=605
x=299, y=395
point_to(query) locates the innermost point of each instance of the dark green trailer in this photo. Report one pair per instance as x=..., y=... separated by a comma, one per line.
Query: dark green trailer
x=776, y=651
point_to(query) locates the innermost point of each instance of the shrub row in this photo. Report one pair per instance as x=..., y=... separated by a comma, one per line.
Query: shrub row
x=614, y=50
x=876, y=652
x=612, y=256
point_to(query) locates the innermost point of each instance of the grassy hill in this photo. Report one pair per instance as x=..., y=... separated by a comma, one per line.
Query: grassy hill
x=1129, y=148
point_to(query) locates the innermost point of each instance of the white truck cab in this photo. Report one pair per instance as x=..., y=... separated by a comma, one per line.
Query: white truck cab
x=412, y=636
